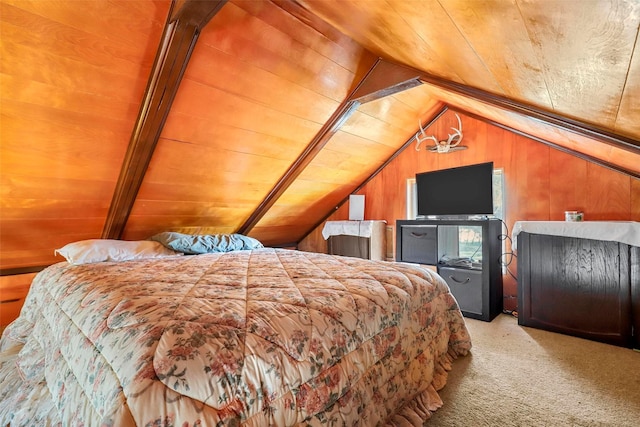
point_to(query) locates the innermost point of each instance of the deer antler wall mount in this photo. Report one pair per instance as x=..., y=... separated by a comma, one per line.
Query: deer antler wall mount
x=444, y=146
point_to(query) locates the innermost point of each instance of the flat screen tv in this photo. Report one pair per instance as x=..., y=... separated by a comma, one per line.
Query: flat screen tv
x=456, y=192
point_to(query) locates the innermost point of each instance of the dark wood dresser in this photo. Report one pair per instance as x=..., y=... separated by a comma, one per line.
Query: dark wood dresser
x=580, y=279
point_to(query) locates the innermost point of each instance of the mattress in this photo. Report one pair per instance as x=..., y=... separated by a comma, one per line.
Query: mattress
x=247, y=338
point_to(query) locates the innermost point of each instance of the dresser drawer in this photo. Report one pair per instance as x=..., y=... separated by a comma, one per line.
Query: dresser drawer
x=420, y=244
x=466, y=286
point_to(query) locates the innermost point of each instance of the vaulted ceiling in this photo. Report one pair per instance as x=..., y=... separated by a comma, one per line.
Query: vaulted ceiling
x=572, y=64
x=127, y=118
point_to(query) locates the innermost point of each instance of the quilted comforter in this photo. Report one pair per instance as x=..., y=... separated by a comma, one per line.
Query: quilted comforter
x=252, y=338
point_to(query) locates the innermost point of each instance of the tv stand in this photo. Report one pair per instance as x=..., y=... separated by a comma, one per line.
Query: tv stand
x=474, y=276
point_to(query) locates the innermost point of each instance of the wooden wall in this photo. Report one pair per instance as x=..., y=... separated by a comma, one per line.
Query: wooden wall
x=72, y=77
x=13, y=291
x=541, y=183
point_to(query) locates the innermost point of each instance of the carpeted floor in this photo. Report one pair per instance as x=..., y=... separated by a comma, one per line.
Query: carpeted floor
x=517, y=376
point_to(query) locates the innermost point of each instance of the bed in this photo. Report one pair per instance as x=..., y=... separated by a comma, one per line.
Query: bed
x=243, y=338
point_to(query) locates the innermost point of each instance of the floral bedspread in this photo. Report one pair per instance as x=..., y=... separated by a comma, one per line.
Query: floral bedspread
x=255, y=338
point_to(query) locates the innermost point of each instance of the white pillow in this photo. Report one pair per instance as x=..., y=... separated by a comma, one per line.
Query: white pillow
x=100, y=250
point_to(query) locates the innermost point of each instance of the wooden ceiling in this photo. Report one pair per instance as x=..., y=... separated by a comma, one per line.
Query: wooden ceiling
x=579, y=59
x=572, y=64
x=127, y=118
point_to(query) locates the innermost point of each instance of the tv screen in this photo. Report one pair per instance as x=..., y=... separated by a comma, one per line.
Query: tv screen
x=461, y=191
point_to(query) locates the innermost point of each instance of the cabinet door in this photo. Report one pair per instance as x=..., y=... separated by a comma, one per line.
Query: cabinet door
x=575, y=286
x=353, y=246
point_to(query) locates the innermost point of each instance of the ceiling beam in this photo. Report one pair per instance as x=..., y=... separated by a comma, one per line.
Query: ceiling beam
x=556, y=120
x=558, y=147
x=386, y=79
x=184, y=23
x=576, y=126
x=383, y=79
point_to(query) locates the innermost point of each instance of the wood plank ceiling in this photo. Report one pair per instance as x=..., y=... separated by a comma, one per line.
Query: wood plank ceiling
x=576, y=63
x=266, y=82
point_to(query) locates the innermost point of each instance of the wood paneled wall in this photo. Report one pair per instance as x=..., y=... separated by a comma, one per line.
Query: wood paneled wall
x=72, y=76
x=13, y=291
x=541, y=183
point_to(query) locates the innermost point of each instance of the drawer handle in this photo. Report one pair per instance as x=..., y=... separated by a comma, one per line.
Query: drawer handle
x=7, y=301
x=418, y=235
x=467, y=280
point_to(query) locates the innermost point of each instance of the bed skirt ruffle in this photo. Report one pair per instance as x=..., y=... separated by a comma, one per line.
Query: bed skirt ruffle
x=419, y=410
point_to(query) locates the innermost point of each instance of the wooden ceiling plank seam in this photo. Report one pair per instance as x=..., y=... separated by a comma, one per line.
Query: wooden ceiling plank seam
x=399, y=151
x=383, y=78
x=534, y=113
x=308, y=18
x=178, y=41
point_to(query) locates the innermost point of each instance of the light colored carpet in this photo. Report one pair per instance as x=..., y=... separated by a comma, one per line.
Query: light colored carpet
x=519, y=376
